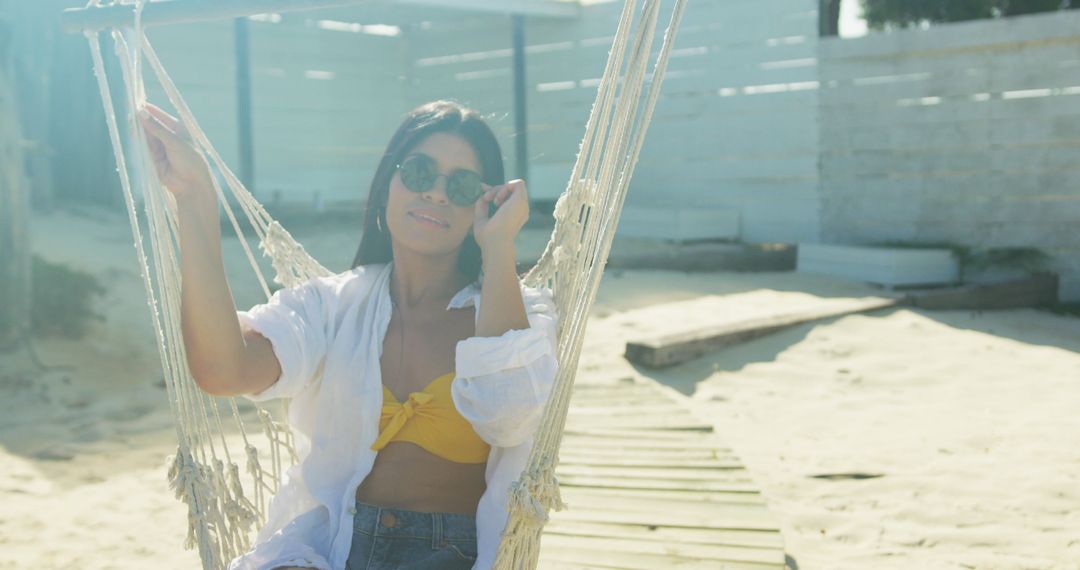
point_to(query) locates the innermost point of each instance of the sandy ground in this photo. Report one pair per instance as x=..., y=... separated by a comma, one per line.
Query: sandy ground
x=896, y=439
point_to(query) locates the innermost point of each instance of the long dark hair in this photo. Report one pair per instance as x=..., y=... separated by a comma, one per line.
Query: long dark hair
x=436, y=116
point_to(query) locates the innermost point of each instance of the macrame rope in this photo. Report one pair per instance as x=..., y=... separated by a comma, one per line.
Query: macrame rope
x=593, y=229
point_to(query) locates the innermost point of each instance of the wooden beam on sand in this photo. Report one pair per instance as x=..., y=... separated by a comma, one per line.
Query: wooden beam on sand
x=669, y=350
x=94, y=18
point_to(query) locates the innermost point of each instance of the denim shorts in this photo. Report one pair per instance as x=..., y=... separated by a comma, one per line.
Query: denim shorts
x=386, y=538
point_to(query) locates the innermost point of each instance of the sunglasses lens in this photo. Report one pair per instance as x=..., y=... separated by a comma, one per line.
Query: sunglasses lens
x=463, y=188
x=418, y=173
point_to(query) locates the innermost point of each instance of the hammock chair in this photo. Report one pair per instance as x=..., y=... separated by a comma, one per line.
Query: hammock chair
x=203, y=472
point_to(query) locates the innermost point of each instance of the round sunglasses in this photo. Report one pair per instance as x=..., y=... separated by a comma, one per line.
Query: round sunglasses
x=419, y=173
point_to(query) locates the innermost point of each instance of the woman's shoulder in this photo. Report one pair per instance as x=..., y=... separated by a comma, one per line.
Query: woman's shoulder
x=354, y=276
x=344, y=284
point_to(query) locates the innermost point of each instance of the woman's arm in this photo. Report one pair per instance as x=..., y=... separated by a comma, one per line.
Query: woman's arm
x=215, y=347
x=505, y=373
x=501, y=308
x=224, y=360
x=503, y=383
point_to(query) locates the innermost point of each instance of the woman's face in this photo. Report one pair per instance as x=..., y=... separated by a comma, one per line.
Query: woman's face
x=450, y=153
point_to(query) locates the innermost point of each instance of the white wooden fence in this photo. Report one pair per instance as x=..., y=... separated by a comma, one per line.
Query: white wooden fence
x=966, y=133
x=735, y=130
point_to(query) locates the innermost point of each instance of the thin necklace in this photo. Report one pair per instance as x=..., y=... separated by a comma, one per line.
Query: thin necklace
x=401, y=325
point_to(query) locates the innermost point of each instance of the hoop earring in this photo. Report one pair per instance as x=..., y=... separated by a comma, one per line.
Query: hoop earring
x=378, y=220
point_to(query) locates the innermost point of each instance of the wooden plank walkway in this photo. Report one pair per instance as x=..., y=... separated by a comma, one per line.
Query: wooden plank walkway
x=649, y=486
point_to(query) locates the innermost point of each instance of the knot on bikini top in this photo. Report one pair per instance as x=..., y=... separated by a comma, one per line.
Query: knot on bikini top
x=429, y=419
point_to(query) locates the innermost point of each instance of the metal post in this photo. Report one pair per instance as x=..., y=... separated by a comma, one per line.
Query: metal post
x=521, y=164
x=828, y=18
x=243, y=104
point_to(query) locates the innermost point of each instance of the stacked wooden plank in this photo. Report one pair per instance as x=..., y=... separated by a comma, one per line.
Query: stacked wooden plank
x=649, y=486
x=671, y=349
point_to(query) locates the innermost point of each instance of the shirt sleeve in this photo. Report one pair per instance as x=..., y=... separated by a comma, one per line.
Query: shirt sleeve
x=295, y=322
x=502, y=383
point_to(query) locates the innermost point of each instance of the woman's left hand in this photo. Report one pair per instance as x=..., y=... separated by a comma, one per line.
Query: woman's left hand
x=500, y=229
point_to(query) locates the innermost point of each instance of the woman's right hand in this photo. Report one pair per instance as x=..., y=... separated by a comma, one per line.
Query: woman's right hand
x=179, y=164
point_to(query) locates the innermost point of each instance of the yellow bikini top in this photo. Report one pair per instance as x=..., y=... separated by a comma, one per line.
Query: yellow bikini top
x=430, y=419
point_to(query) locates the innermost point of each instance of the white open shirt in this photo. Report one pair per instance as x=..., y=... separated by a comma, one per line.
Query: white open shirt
x=328, y=335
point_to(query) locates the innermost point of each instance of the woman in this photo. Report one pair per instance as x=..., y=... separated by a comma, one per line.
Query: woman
x=417, y=377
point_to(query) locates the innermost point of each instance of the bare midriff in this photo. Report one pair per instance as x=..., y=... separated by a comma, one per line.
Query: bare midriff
x=405, y=475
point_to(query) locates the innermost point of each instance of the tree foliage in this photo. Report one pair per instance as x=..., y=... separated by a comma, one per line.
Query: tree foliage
x=903, y=13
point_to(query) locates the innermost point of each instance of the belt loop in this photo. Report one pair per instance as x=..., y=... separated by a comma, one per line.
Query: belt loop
x=436, y=531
